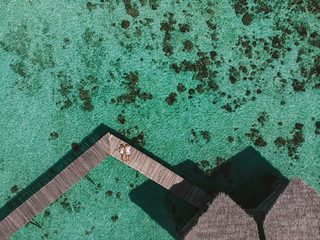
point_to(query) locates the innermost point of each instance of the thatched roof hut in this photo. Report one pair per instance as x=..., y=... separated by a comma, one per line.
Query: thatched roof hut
x=224, y=219
x=295, y=215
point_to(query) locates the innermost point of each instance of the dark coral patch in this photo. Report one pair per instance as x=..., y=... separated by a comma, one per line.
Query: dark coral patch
x=184, y=28
x=168, y=27
x=317, y=131
x=175, y=67
x=86, y=88
x=171, y=99
x=227, y=107
x=298, y=126
x=213, y=85
x=46, y=213
x=211, y=25
x=153, y=4
x=275, y=55
x=31, y=64
x=139, y=139
x=194, y=134
x=247, y=19
x=298, y=86
x=115, y=218
x=314, y=35
x=200, y=89
x=91, y=6
x=201, y=67
x=84, y=96
x=76, y=206
x=219, y=161
x=125, y=24
x=233, y=75
x=205, y=163
x=109, y=193
x=121, y=119
x=262, y=118
x=188, y=46
x=256, y=138
x=133, y=91
x=66, y=205
x=293, y=143
x=191, y=91
x=313, y=6
x=280, y=142
x=213, y=55
x=88, y=232
x=206, y=135
x=240, y=6
x=66, y=104
x=131, y=10
x=181, y=88
x=54, y=135
x=75, y=146
x=14, y=189
x=260, y=142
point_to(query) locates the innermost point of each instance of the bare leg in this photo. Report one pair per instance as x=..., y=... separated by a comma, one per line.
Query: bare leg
x=122, y=157
x=129, y=158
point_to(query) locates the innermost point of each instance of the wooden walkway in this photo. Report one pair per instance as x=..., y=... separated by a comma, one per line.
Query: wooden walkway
x=163, y=176
x=82, y=166
x=55, y=188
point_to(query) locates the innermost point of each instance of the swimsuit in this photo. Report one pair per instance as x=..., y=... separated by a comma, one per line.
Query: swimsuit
x=128, y=150
x=121, y=150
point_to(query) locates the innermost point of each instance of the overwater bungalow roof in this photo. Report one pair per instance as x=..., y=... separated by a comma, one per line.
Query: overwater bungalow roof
x=224, y=219
x=296, y=213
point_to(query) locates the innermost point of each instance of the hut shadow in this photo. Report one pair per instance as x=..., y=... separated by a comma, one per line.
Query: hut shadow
x=247, y=177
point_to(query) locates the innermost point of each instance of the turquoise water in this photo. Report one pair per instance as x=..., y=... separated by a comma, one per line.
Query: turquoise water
x=187, y=80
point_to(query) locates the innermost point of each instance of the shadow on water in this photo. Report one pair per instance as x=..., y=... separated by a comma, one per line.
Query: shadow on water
x=54, y=170
x=62, y=163
x=242, y=177
x=246, y=177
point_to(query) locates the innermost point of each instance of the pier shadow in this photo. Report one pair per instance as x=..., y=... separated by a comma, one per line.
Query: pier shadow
x=247, y=177
x=76, y=150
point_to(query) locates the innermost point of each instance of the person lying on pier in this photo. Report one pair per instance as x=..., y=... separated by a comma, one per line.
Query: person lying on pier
x=121, y=151
x=128, y=152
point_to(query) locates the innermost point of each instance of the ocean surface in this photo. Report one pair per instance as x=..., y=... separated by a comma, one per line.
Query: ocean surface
x=225, y=92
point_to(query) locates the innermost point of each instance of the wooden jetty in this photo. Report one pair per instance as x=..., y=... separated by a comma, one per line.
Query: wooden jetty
x=80, y=167
x=163, y=176
x=55, y=188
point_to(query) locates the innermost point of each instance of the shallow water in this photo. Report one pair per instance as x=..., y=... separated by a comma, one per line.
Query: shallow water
x=193, y=82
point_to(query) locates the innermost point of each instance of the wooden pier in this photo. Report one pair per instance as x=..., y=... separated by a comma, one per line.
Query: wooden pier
x=82, y=166
x=163, y=176
x=55, y=188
